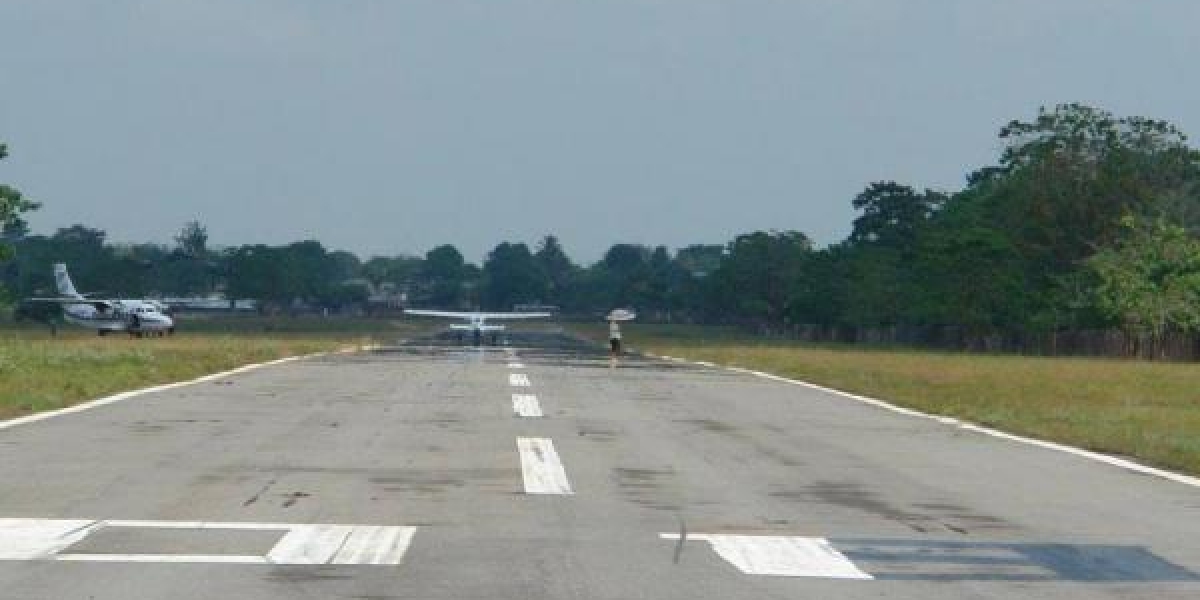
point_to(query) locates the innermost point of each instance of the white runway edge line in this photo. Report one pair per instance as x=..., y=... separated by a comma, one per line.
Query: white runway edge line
x=299, y=544
x=518, y=380
x=526, y=405
x=1122, y=463
x=779, y=556
x=150, y=390
x=541, y=468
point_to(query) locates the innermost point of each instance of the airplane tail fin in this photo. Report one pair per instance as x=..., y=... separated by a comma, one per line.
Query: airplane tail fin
x=63, y=281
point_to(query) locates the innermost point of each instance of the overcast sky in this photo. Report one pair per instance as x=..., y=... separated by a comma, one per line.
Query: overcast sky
x=390, y=126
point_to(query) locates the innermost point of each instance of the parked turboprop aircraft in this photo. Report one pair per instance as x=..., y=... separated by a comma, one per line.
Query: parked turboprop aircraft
x=476, y=322
x=105, y=315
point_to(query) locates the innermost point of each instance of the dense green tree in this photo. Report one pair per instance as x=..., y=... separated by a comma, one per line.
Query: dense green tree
x=192, y=240
x=558, y=269
x=398, y=270
x=12, y=206
x=445, y=273
x=699, y=260
x=893, y=214
x=1149, y=281
x=762, y=274
x=511, y=275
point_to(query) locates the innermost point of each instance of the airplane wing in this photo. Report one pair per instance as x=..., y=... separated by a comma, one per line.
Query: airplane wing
x=445, y=314
x=515, y=315
x=98, y=304
x=497, y=316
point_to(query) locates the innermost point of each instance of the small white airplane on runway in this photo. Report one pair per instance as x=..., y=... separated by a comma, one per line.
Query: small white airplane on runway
x=107, y=315
x=476, y=322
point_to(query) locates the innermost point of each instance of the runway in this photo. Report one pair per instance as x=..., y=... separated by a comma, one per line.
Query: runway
x=428, y=470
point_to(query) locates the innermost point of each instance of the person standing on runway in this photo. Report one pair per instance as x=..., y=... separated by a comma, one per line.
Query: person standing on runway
x=614, y=340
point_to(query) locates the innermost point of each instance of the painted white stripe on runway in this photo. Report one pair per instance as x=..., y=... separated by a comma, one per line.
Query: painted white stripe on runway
x=780, y=556
x=309, y=545
x=32, y=539
x=518, y=380
x=45, y=539
x=516, y=365
x=541, y=468
x=375, y=545
x=526, y=405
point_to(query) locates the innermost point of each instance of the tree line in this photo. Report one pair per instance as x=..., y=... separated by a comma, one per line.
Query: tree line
x=1086, y=220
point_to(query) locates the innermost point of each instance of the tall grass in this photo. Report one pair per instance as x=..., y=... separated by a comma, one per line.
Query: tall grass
x=1149, y=411
x=39, y=371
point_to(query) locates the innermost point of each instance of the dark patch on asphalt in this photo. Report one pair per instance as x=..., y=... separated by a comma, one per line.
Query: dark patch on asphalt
x=307, y=574
x=146, y=427
x=848, y=495
x=930, y=517
x=652, y=488
x=596, y=432
x=290, y=499
x=266, y=486
x=709, y=425
x=948, y=561
x=437, y=481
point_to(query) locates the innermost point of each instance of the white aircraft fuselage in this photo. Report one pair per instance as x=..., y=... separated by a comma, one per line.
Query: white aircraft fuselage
x=120, y=315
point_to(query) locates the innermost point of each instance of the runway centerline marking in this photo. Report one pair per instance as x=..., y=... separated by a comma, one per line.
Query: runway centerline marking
x=526, y=405
x=516, y=365
x=779, y=556
x=299, y=544
x=541, y=468
x=518, y=380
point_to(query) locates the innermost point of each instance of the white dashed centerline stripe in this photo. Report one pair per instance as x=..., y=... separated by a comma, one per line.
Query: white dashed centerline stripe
x=541, y=468
x=518, y=380
x=515, y=365
x=779, y=556
x=526, y=405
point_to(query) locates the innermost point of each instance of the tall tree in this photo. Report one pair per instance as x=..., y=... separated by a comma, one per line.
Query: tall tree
x=445, y=272
x=1149, y=281
x=511, y=275
x=12, y=206
x=192, y=240
x=761, y=274
x=557, y=267
x=893, y=214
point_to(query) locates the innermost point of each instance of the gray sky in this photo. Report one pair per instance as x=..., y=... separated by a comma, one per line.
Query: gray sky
x=389, y=126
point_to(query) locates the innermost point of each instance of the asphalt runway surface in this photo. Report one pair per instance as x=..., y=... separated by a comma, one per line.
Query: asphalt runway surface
x=431, y=470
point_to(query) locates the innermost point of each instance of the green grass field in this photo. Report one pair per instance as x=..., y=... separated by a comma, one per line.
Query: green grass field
x=1149, y=411
x=39, y=371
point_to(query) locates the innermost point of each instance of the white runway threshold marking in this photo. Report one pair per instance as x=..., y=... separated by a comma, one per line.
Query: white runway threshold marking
x=46, y=539
x=518, y=380
x=541, y=468
x=526, y=405
x=779, y=556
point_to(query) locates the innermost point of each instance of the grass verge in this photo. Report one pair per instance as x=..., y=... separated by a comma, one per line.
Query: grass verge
x=41, y=372
x=1148, y=411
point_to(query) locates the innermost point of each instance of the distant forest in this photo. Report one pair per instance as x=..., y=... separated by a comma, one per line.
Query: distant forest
x=1087, y=220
